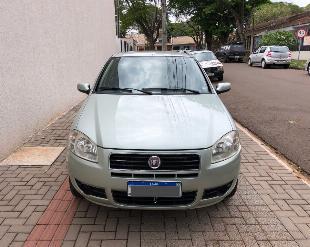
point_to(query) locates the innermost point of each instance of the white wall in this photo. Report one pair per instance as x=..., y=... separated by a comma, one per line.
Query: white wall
x=46, y=48
x=304, y=55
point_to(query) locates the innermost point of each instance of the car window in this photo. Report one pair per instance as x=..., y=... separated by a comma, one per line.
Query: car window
x=205, y=56
x=281, y=49
x=262, y=50
x=237, y=48
x=146, y=73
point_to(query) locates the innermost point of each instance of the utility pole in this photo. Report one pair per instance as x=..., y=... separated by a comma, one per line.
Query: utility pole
x=164, y=24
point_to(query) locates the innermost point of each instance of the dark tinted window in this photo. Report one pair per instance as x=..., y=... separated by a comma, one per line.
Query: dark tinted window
x=147, y=73
x=237, y=48
x=205, y=56
x=279, y=49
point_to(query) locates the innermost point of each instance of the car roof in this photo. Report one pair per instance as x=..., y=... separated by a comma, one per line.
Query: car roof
x=151, y=54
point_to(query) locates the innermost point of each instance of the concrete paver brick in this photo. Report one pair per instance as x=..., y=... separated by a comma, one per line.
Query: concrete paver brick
x=270, y=208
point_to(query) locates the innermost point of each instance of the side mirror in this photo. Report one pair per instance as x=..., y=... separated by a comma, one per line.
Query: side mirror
x=223, y=87
x=83, y=87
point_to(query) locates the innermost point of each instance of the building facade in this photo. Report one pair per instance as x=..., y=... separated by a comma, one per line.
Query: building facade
x=46, y=48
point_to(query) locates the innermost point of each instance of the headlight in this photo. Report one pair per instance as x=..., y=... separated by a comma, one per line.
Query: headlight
x=225, y=147
x=220, y=68
x=82, y=146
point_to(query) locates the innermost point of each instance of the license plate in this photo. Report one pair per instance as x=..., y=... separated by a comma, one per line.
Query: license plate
x=154, y=189
x=210, y=74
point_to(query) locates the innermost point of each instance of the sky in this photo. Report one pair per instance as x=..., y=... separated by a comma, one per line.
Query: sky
x=301, y=3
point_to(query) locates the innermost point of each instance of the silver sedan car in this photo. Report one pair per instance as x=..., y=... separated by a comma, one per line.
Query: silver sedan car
x=153, y=134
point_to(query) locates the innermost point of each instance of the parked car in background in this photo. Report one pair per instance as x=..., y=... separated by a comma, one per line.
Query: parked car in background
x=231, y=52
x=153, y=134
x=271, y=55
x=209, y=62
x=307, y=66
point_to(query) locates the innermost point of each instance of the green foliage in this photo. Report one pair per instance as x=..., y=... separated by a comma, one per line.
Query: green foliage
x=179, y=29
x=272, y=11
x=297, y=64
x=284, y=38
x=307, y=7
x=217, y=18
x=143, y=15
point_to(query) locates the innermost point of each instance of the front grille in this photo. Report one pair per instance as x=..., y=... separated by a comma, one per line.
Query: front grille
x=122, y=198
x=168, y=161
x=154, y=175
x=210, y=70
x=215, y=192
x=90, y=190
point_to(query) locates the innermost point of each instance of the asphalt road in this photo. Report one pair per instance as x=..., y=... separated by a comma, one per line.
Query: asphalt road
x=275, y=105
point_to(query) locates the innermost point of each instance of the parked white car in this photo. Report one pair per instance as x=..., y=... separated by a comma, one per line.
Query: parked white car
x=307, y=66
x=209, y=62
x=271, y=55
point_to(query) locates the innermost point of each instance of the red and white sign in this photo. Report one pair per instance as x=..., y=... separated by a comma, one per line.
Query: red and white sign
x=301, y=33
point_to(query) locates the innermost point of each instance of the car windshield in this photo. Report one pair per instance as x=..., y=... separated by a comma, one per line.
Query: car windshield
x=205, y=56
x=281, y=49
x=152, y=75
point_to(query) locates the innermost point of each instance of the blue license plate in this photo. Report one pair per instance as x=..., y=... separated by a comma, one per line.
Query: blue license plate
x=154, y=189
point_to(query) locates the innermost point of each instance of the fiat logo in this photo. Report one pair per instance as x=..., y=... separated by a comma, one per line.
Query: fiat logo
x=154, y=162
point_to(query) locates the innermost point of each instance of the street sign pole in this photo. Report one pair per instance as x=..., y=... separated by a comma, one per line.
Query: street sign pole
x=299, y=47
x=301, y=33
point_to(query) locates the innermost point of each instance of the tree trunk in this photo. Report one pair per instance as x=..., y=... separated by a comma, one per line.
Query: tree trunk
x=209, y=40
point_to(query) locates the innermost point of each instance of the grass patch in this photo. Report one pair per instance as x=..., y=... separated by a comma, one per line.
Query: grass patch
x=295, y=64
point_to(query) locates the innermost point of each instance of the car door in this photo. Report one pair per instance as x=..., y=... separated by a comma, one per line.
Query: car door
x=260, y=54
x=254, y=56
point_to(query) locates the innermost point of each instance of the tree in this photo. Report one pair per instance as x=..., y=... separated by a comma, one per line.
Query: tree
x=206, y=18
x=283, y=38
x=179, y=29
x=142, y=15
x=217, y=18
x=273, y=11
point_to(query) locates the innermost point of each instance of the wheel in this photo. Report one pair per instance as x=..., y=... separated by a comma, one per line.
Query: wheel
x=286, y=66
x=250, y=62
x=233, y=192
x=308, y=69
x=74, y=191
x=263, y=64
x=220, y=78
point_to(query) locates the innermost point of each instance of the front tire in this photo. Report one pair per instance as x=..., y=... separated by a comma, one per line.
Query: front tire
x=309, y=69
x=286, y=66
x=220, y=78
x=263, y=64
x=250, y=62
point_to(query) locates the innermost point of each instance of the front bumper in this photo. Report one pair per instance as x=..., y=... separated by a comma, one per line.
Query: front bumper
x=209, y=176
x=213, y=72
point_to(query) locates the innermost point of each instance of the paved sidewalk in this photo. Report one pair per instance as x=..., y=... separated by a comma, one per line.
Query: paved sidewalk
x=270, y=208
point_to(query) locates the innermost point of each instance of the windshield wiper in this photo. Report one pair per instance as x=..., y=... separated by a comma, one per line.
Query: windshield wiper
x=173, y=89
x=123, y=89
x=190, y=90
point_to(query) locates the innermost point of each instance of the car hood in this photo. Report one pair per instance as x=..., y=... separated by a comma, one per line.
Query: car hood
x=211, y=63
x=154, y=122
